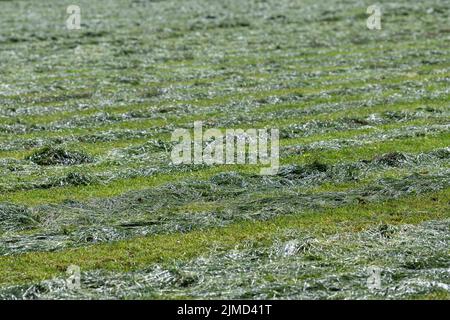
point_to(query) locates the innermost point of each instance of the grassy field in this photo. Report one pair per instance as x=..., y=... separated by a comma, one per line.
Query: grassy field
x=86, y=118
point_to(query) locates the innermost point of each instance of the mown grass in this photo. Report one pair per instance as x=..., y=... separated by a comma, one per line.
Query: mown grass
x=362, y=114
x=140, y=252
x=35, y=197
x=319, y=88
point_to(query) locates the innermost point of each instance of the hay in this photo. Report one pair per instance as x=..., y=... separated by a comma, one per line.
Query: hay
x=51, y=156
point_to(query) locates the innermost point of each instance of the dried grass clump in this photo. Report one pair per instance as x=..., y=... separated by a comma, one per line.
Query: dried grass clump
x=51, y=156
x=15, y=218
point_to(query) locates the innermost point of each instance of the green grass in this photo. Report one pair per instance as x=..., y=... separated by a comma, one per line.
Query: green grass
x=363, y=118
x=141, y=252
x=39, y=196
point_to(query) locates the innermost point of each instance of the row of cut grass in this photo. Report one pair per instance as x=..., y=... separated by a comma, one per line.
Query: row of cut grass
x=139, y=253
x=116, y=187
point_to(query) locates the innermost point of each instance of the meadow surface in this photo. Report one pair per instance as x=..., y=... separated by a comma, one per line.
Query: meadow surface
x=86, y=118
